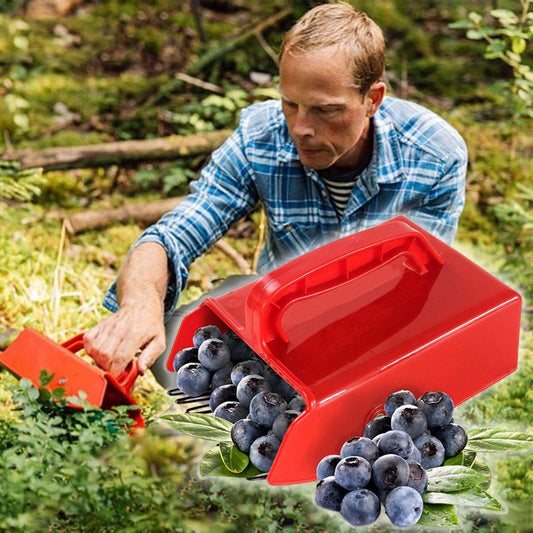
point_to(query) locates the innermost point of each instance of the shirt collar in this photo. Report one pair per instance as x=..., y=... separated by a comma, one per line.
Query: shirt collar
x=389, y=164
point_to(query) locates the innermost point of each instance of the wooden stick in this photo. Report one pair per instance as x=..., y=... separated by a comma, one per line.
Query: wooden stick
x=191, y=80
x=237, y=258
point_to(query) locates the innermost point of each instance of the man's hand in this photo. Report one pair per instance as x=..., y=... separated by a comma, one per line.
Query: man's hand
x=113, y=342
x=138, y=325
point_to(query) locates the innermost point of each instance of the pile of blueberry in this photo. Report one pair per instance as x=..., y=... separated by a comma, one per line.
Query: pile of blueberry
x=388, y=464
x=242, y=389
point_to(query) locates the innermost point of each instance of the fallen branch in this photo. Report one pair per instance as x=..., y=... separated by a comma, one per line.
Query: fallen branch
x=144, y=214
x=237, y=258
x=117, y=153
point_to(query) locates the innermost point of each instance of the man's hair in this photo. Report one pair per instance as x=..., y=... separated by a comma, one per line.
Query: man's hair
x=344, y=26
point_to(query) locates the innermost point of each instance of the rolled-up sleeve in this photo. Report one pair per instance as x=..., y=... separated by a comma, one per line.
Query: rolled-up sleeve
x=224, y=193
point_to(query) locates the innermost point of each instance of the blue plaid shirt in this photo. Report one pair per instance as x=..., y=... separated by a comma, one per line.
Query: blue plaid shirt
x=418, y=169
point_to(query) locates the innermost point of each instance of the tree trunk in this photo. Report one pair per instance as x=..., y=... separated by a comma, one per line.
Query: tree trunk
x=116, y=153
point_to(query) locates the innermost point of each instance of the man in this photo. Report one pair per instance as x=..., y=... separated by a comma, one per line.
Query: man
x=333, y=158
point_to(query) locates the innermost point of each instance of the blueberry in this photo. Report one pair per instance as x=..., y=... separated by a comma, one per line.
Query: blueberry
x=431, y=451
x=361, y=446
x=244, y=432
x=238, y=349
x=265, y=407
x=438, y=408
x=263, y=451
x=390, y=471
x=398, y=398
x=224, y=393
x=409, y=418
x=380, y=424
x=207, y=332
x=404, y=506
x=397, y=442
x=377, y=438
x=249, y=386
x=453, y=438
x=297, y=404
x=187, y=355
x=418, y=478
x=353, y=472
x=329, y=495
x=193, y=379
x=231, y=411
x=283, y=421
x=222, y=376
x=415, y=455
x=360, y=507
x=213, y=354
x=286, y=390
x=326, y=467
x=273, y=379
x=246, y=368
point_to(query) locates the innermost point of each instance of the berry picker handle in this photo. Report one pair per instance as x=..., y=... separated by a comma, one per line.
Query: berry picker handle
x=332, y=265
x=127, y=377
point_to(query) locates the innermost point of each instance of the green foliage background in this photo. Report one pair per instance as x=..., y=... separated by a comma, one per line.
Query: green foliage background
x=107, y=72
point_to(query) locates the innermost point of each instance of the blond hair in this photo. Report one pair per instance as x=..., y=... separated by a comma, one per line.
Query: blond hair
x=341, y=25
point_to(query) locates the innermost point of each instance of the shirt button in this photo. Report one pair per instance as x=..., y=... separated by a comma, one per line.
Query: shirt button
x=289, y=227
x=323, y=193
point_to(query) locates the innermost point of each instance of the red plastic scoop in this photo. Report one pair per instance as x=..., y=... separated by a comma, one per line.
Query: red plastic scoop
x=388, y=308
x=32, y=352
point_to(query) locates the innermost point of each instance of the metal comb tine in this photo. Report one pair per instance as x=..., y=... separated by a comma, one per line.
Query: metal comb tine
x=200, y=406
x=255, y=478
x=194, y=399
x=204, y=412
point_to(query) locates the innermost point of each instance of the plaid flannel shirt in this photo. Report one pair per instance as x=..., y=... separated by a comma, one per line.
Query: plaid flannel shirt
x=418, y=169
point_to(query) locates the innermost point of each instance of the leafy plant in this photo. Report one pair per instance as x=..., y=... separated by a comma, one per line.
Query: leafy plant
x=507, y=41
x=19, y=184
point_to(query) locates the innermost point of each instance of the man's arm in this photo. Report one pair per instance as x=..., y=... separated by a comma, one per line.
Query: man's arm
x=444, y=204
x=141, y=287
x=156, y=271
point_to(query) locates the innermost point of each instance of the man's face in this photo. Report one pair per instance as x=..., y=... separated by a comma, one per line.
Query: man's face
x=327, y=117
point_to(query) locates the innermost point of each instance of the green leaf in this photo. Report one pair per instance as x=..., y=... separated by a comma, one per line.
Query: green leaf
x=473, y=497
x=505, y=16
x=519, y=45
x=475, y=35
x=470, y=459
x=438, y=515
x=212, y=465
x=452, y=479
x=476, y=18
x=497, y=440
x=233, y=459
x=459, y=25
x=206, y=427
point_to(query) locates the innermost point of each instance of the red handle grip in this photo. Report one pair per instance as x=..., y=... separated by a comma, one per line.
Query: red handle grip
x=127, y=377
x=332, y=265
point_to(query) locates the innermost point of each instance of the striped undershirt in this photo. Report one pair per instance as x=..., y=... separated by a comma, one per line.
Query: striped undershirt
x=340, y=187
